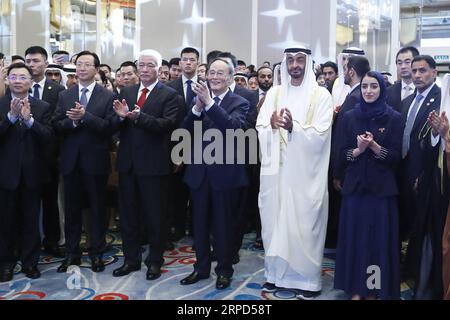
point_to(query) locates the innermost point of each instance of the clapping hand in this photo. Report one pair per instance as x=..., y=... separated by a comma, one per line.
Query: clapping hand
x=16, y=107
x=26, y=110
x=364, y=141
x=286, y=119
x=121, y=108
x=77, y=113
x=436, y=122
x=203, y=95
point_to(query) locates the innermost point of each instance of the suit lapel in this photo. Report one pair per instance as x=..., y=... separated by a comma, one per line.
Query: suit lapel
x=96, y=93
x=152, y=98
x=426, y=107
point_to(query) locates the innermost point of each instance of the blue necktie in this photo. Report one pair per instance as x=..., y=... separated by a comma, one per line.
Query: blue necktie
x=409, y=125
x=83, y=98
x=217, y=100
x=36, y=91
x=189, y=93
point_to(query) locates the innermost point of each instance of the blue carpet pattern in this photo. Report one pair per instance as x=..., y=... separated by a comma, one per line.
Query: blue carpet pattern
x=83, y=284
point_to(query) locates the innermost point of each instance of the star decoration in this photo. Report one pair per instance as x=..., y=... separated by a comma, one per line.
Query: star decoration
x=281, y=13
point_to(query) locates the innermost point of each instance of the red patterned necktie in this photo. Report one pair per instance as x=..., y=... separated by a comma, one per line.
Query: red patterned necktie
x=142, y=97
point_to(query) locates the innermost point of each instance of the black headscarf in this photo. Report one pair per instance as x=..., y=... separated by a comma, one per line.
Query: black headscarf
x=378, y=108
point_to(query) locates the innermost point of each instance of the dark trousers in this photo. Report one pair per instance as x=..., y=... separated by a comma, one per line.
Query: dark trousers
x=79, y=188
x=50, y=211
x=213, y=214
x=19, y=212
x=178, y=204
x=146, y=195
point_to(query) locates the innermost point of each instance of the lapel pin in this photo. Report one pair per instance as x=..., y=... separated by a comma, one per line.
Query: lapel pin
x=50, y=88
x=432, y=100
x=428, y=104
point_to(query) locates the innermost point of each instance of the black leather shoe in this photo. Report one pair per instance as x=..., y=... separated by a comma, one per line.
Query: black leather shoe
x=222, y=282
x=153, y=272
x=31, y=272
x=68, y=262
x=125, y=270
x=6, y=274
x=194, y=277
x=97, y=265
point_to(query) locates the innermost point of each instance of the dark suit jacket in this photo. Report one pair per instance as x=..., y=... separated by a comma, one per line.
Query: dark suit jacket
x=231, y=114
x=183, y=110
x=252, y=97
x=367, y=173
x=50, y=95
x=144, y=147
x=338, y=128
x=21, y=148
x=88, y=143
x=413, y=164
x=394, y=96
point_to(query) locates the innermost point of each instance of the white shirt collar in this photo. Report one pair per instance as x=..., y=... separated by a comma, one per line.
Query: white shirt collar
x=89, y=87
x=232, y=86
x=221, y=96
x=150, y=87
x=426, y=92
x=354, y=87
x=41, y=84
x=184, y=79
x=411, y=85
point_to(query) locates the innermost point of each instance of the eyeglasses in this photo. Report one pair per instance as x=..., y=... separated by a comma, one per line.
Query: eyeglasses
x=20, y=78
x=86, y=64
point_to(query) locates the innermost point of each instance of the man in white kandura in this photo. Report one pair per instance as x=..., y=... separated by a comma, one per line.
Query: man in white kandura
x=294, y=127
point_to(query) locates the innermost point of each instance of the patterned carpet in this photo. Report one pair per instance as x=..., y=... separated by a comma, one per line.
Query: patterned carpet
x=83, y=284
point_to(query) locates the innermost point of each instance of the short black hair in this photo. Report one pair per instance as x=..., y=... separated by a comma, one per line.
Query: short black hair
x=190, y=50
x=428, y=59
x=164, y=63
x=175, y=61
x=251, y=68
x=253, y=74
x=330, y=64
x=360, y=64
x=263, y=67
x=212, y=55
x=17, y=57
x=103, y=76
x=129, y=64
x=228, y=55
x=2, y=55
x=19, y=65
x=60, y=52
x=413, y=50
x=241, y=63
x=37, y=49
x=89, y=53
x=105, y=65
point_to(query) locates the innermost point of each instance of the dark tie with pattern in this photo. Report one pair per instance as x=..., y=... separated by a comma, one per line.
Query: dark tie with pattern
x=83, y=98
x=189, y=93
x=36, y=91
x=217, y=100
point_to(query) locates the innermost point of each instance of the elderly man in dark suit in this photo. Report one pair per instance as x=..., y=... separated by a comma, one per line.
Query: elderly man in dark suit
x=215, y=186
x=147, y=113
x=48, y=91
x=24, y=131
x=84, y=117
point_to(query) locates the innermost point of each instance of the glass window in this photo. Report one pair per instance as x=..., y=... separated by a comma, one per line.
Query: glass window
x=5, y=27
x=73, y=25
x=118, y=26
x=366, y=24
